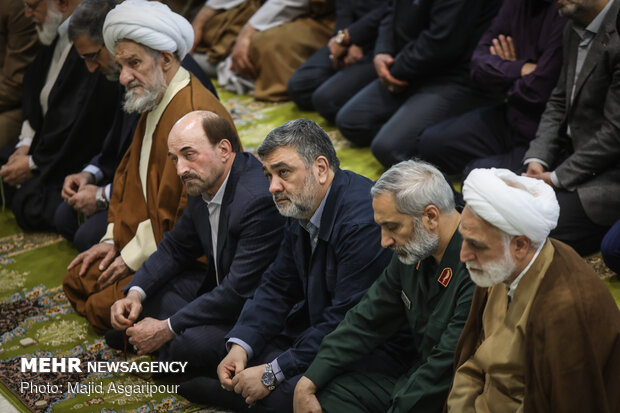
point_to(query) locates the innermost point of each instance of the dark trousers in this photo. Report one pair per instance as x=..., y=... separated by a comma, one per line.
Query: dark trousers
x=316, y=85
x=481, y=138
x=575, y=228
x=83, y=236
x=610, y=248
x=202, y=346
x=280, y=400
x=358, y=392
x=391, y=123
x=34, y=203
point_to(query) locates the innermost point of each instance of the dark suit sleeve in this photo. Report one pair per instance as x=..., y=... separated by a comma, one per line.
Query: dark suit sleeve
x=602, y=150
x=179, y=247
x=377, y=316
x=364, y=30
x=358, y=262
x=263, y=316
x=442, y=42
x=551, y=133
x=385, y=35
x=258, y=240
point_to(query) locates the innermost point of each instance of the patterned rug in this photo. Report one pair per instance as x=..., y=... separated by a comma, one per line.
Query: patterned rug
x=37, y=321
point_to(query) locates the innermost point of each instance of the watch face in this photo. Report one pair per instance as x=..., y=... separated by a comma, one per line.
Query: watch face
x=268, y=378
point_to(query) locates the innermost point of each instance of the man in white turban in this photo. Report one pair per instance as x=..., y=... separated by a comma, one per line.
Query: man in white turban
x=543, y=332
x=147, y=40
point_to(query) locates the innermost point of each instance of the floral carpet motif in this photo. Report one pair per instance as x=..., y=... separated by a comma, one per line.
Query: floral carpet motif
x=33, y=306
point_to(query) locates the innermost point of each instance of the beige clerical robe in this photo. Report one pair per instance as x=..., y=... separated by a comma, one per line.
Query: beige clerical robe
x=147, y=196
x=492, y=379
x=563, y=356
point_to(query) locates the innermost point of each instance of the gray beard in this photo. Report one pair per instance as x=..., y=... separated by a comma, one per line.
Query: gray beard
x=48, y=32
x=150, y=97
x=300, y=205
x=421, y=245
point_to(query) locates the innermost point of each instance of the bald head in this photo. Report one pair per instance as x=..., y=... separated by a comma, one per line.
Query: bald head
x=202, y=145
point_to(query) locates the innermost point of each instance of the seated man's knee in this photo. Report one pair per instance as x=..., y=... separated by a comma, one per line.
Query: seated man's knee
x=65, y=221
x=323, y=101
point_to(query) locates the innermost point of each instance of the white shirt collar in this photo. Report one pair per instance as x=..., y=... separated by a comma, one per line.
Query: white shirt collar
x=513, y=285
x=219, y=195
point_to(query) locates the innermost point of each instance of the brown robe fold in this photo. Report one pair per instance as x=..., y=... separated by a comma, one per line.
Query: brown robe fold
x=572, y=340
x=166, y=197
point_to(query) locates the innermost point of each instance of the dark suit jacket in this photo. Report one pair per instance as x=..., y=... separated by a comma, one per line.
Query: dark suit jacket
x=250, y=230
x=589, y=160
x=433, y=37
x=304, y=295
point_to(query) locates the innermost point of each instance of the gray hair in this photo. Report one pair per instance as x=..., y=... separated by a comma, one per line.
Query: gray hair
x=88, y=18
x=415, y=185
x=306, y=137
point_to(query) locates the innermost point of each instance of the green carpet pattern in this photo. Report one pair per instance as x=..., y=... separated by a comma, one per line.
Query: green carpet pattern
x=32, y=304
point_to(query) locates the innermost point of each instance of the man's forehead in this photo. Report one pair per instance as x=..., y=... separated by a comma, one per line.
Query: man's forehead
x=128, y=49
x=282, y=156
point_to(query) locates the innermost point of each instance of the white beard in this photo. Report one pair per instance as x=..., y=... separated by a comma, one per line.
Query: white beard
x=53, y=20
x=151, y=96
x=421, y=245
x=493, y=273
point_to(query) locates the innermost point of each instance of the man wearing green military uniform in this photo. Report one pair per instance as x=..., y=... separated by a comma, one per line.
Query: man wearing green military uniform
x=425, y=286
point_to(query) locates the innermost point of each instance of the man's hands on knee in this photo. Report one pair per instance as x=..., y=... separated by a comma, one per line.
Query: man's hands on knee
x=240, y=54
x=149, y=335
x=383, y=62
x=117, y=270
x=248, y=384
x=17, y=170
x=85, y=200
x=125, y=312
x=104, y=250
x=74, y=182
x=233, y=364
x=305, y=400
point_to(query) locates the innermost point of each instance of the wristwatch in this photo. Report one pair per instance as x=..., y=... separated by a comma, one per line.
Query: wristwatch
x=269, y=378
x=100, y=200
x=341, y=37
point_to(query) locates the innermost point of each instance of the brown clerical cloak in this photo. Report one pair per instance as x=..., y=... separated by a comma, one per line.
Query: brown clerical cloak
x=165, y=199
x=572, y=340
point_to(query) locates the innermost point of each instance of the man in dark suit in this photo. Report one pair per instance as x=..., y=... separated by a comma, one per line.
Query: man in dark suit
x=577, y=145
x=231, y=219
x=421, y=58
x=331, y=253
x=88, y=192
x=67, y=113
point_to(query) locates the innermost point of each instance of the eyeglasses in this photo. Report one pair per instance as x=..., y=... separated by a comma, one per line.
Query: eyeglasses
x=32, y=6
x=91, y=57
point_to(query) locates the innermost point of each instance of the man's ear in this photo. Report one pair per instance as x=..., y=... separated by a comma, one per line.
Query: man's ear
x=430, y=217
x=167, y=60
x=522, y=246
x=321, y=165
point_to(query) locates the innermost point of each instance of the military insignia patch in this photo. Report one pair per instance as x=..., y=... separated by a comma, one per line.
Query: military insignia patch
x=417, y=267
x=445, y=277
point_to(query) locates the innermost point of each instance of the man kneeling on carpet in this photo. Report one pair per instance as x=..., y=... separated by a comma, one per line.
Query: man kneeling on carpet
x=148, y=40
x=425, y=289
x=231, y=219
x=329, y=256
x=543, y=334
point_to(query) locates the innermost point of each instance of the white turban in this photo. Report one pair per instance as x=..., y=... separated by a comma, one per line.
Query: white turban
x=517, y=205
x=149, y=23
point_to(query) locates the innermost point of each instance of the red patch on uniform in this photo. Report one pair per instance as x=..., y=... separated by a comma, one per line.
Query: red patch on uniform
x=445, y=277
x=417, y=267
